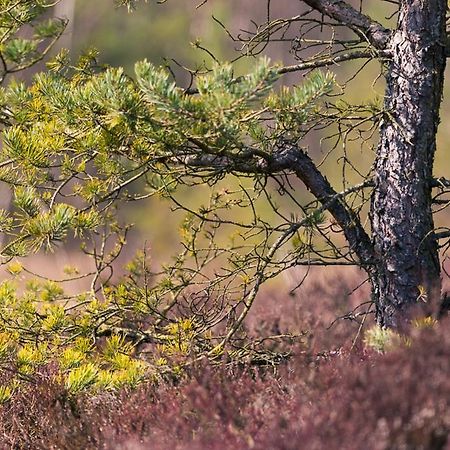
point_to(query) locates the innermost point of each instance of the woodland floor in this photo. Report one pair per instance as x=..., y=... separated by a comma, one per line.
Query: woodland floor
x=332, y=393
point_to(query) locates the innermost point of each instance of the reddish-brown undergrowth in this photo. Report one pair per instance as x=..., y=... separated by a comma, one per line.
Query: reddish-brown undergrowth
x=326, y=397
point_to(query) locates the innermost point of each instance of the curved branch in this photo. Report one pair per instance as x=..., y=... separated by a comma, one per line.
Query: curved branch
x=303, y=166
x=317, y=63
x=290, y=157
x=346, y=15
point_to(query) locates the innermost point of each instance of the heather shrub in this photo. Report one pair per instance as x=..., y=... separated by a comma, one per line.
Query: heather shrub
x=364, y=399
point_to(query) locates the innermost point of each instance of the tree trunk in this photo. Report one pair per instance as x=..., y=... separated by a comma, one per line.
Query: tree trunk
x=65, y=9
x=401, y=213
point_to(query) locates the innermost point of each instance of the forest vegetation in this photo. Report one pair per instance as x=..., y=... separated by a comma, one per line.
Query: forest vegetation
x=285, y=285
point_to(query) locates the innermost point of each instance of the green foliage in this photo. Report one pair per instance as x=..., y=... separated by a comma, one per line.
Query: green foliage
x=78, y=142
x=133, y=130
x=294, y=107
x=17, y=52
x=48, y=28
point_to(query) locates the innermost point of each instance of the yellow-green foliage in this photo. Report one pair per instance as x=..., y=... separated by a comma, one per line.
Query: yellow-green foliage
x=5, y=393
x=425, y=322
x=40, y=326
x=81, y=378
x=76, y=141
x=381, y=339
x=179, y=338
x=30, y=356
x=111, y=369
x=35, y=330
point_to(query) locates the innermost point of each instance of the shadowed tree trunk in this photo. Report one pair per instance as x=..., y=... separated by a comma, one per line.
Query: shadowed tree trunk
x=402, y=224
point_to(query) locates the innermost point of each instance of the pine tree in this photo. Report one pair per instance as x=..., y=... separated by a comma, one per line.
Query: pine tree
x=80, y=137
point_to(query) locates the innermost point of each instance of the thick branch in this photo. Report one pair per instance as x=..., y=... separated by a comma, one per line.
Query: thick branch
x=442, y=235
x=305, y=169
x=361, y=24
x=440, y=182
x=290, y=157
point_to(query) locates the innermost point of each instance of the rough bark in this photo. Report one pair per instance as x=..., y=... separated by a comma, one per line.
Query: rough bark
x=401, y=216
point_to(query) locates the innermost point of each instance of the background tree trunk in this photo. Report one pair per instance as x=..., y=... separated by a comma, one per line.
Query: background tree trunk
x=65, y=9
x=401, y=214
